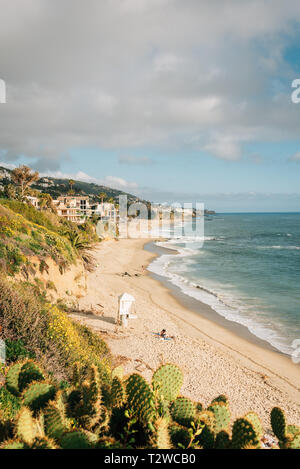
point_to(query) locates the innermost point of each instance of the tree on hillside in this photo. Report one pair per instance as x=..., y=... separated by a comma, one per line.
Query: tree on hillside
x=71, y=184
x=10, y=191
x=45, y=201
x=24, y=177
x=102, y=196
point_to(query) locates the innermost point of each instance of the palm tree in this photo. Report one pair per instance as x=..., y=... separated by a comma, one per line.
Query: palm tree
x=24, y=177
x=71, y=184
x=82, y=247
x=45, y=201
x=102, y=196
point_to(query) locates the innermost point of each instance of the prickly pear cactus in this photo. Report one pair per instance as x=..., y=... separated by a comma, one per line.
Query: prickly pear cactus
x=43, y=443
x=293, y=441
x=76, y=374
x=168, y=380
x=180, y=436
x=54, y=422
x=207, y=417
x=183, y=411
x=118, y=393
x=244, y=435
x=207, y=437
x=222, y=415
x=220, y=398
x=254, y=419
x=161, y=437
x=12, y=378
x=14, y=444
x=21, y=374
x=75, y=439
x=140, y=398
x=222, y=440
x=38, y=394
x=30, y=372
x=278, y=423
x=26, y=427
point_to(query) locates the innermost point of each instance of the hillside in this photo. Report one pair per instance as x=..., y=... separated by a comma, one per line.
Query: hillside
x=56, y=187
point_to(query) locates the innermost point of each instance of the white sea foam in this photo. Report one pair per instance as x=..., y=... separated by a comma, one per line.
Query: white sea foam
x=227, y=305
x=296, y=248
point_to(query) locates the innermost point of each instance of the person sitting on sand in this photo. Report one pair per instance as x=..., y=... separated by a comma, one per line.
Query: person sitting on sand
x=163, y=334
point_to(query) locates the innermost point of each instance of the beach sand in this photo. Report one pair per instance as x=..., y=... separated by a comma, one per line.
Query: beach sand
x=214, y=360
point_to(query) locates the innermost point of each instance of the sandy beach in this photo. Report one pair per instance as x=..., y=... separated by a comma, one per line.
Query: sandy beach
x=214, y=359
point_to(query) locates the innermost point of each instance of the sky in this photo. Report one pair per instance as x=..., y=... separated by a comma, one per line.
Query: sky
x=170, y=100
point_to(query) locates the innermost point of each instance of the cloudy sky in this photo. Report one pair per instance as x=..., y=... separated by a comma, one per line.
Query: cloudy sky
x=169, y=99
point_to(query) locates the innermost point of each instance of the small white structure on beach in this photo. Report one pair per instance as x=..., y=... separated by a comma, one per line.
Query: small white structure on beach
x=126, y=308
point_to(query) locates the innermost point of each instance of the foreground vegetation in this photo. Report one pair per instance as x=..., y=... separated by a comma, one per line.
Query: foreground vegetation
x=30, y=326
x=123, y=413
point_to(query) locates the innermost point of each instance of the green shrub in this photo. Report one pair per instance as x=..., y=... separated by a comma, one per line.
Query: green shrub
x=47, y=332
x=15, y=350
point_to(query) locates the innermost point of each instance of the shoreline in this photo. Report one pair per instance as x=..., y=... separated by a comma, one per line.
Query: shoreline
x=199, y=307
x=229, y=329
x=214, y=360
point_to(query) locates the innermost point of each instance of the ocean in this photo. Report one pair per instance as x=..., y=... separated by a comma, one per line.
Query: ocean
x=247, y=268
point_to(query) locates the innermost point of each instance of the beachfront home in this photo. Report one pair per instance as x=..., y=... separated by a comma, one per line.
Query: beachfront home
x=73, y=208
x=68, y=211
x=104, y=210
x=33, y=201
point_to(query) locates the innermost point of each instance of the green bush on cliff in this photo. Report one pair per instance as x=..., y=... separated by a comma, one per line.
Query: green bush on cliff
x=21, y=239
x=26, y=232
x=47, y=332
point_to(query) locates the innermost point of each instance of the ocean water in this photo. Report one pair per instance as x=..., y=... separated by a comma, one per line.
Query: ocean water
x=247, y=269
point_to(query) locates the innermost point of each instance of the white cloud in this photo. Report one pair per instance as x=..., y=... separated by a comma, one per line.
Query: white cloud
x=119, y=183
x=131, y=73
x=295, y=157
x=111, y=181
x=7, y=165
x=135, y=160
x=225, y=147
x=79, y=176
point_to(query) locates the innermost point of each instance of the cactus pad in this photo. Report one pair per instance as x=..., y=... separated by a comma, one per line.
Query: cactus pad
x=222, y=415
x=243, y=434
x=168, y=380
x=183, y=411
x=140, y=397
x=278, y=423
x=75, y=439
x=26, y=430
x=180, y=436
x=253, y=418
x=38, y=394
x=30, y=372
x=12, y=378
x=117, y=392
